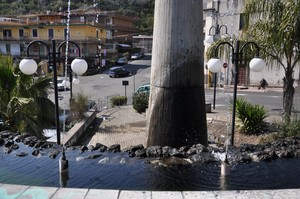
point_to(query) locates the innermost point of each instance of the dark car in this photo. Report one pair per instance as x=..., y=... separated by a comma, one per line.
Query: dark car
x=118, y=71
x=122, y=61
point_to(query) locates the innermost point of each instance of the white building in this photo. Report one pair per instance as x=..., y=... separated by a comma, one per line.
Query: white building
x=226, y=13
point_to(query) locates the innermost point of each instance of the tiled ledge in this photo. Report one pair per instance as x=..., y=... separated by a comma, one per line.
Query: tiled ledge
x=9, y=191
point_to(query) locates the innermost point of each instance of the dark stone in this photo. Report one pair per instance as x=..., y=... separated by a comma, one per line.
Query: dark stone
x=93, y=156
x=154, y=151
x=53, y=154
x=21, y=154
x=14, y=147
x=83, y=149
x=202, y=158
x=39, y=143
x=9, y=143
x=35, y=152
x=103, y=148
x=177, y=153
x=114, y=148
x=141, y=153
x=166, y=151
x=134, y=148
x=2, y=141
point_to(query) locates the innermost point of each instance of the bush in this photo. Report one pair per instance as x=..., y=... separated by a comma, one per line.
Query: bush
x=79, y=106
x=140, y=102
x=289, y=129
x=118, y=101
x=250, y=117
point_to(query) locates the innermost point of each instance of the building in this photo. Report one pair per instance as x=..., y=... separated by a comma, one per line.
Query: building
x=97, y=34
x=228, y=15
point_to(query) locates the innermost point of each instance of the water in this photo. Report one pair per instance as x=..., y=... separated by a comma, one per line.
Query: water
x=136, y=174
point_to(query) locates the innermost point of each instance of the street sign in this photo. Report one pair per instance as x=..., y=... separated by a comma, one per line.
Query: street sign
x=125, y=83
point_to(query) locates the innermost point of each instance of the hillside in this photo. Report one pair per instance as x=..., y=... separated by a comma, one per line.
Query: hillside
x=142, y=8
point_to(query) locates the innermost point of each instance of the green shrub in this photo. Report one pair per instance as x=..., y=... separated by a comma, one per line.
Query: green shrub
x=250, y=117
x=140, y=102
x=289, y=129
x=118, y=101
x=78, y=106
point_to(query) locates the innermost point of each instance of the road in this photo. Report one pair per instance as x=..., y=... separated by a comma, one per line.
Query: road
x=99, y=87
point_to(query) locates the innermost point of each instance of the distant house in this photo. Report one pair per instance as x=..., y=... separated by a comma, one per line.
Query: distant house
x=96, y=33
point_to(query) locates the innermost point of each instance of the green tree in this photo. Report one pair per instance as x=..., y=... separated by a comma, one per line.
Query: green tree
x=275, y=25
x=24, y=102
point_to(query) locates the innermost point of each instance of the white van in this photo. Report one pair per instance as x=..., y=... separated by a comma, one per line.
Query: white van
x=144, y=89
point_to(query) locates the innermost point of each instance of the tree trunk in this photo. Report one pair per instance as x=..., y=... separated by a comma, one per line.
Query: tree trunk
x=288, y=94
x=176, y=115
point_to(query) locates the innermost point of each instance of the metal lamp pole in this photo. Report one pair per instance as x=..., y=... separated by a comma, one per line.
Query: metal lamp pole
x=237, y=57
x=52, y=62
x=28, y=66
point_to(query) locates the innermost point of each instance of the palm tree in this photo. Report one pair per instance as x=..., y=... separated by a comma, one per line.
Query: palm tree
x=24, y=102
x=275, y=25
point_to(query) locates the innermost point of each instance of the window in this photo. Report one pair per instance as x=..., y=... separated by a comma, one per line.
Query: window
x=21, y=33
x=66, y=33
x=34, y=33
x=7, y=33
x=81, y=19
x=50, y=33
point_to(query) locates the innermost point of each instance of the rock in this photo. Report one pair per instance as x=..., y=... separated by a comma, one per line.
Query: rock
x=133, y=148
x=103, y=148
x=53, y=154
x=91, y=147
x=35, y=152
x=202, y=158
x=80, y=158
x=122, y=161
x=154, y=151
x=141, y=153
x=166, y=151
x=104, y=160
x=170, y=161
x=9, y=143
x=114, y=148
x=2, y=141
x=83, y=149
x=93, y=156
x=177, y=153
x=21, y=154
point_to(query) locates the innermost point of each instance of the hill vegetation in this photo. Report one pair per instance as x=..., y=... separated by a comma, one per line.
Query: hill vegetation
x=144, y=9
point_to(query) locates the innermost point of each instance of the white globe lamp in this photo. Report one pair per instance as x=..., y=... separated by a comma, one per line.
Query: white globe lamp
x=79, y=66
x=257, y=64
x=214, y=65
x=209, y=39
x=28, y=66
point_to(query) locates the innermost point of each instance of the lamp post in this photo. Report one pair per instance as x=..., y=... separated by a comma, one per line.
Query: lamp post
x=210, y=39
x=256, y=65
x=28, y=66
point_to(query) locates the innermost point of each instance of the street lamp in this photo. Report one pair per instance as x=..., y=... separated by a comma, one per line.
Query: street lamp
x=28, y=66
x=210, y=39
x=256, y=65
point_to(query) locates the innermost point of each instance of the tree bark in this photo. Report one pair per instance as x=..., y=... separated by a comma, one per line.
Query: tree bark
x=288, y=94
x=176, y=114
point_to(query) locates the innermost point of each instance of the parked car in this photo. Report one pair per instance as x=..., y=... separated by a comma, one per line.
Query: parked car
x=122, y=61
x=136, y=56
x=118, y=71
x=61, y=84
x=144, y=89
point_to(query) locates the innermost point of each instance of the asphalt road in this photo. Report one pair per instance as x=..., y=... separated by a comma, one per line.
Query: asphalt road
x=100, y=87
